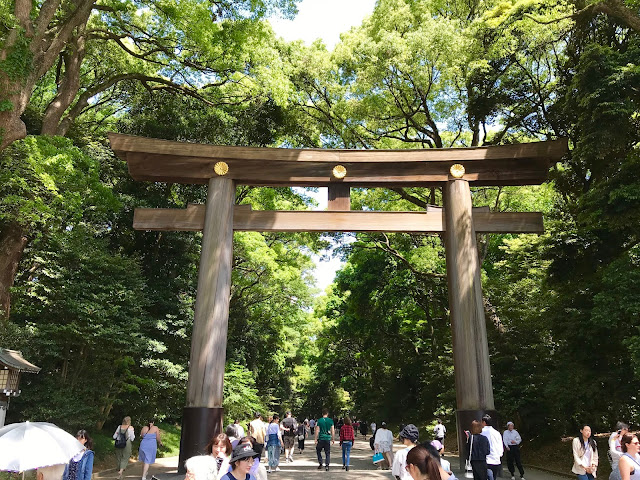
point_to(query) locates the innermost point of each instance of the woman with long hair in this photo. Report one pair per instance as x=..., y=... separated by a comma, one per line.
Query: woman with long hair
x=421, y=465
x=629, y=463
x=150, y=435
x=80, y=467
x=220, y=448
x=478, y=448
x=124, y=432
x=585, y=455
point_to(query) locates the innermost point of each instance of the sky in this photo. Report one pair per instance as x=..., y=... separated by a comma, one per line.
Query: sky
x=325, y=19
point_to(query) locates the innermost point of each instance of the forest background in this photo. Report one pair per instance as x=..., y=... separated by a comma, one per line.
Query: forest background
x=106, y=311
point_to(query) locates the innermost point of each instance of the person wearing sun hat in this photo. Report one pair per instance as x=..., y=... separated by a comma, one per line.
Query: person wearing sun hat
x=241, y=462
x=409, y=437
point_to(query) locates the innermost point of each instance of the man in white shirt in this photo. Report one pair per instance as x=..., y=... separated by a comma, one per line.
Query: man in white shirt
x=512, y=440
x=409, y=437
x=496, y=449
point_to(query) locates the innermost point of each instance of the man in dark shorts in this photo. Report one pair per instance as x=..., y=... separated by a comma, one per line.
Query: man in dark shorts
x=289, y=426
x=325, y=432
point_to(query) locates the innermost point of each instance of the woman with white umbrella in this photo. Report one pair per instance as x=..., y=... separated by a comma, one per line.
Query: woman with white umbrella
x=80, y=467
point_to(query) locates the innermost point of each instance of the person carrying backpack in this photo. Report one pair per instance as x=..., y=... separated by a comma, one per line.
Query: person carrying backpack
x=123, y=437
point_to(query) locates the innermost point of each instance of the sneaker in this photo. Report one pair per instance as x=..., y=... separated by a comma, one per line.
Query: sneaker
x=521, y=478
x=347, y=468
x=286, y=460
x=269, y=470
x=513, y=478
x=326, y=468
x=320, y=467
x=277, y=469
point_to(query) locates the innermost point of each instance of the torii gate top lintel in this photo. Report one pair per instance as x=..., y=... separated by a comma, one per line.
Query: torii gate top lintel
x=178, y=162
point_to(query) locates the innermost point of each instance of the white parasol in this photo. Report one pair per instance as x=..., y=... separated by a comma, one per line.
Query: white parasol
x=29, y=445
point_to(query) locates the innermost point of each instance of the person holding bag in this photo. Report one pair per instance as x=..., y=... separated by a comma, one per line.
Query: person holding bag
x=478, y=447
x=123, y=437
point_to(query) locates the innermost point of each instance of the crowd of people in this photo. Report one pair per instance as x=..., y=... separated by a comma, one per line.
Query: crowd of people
x=232, y=455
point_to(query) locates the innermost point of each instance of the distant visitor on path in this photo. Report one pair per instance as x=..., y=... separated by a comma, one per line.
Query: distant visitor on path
x=257, y=430
x=325, y=432
x=409, y=437
x=363, y=428
x=421, y=465
x=123, y=437
x=495, y=446
x=384, y=444
x=585, y=455
x=289, y=427
x=479, y=449
x=615, y=449
x=302, y=435
x=80, y=467
x=373, y=428
x=346, y=442
x=439, y=431
x=150, y=435
x=274, y=442
x=629, y=465
x=512, y=440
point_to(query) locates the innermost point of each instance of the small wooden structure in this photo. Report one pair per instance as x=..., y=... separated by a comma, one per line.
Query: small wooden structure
x=12, y=364
x=222, y=168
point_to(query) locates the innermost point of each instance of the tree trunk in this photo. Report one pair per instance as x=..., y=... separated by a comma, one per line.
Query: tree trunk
x=12, y=243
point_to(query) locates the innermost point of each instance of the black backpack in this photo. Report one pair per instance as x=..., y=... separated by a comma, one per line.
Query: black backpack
x=121, y=439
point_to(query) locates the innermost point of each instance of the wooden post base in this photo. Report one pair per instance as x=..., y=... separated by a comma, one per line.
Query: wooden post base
x=463, y=421
x=199, y=426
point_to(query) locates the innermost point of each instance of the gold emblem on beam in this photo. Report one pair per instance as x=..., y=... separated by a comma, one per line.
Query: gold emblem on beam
x=339, y=171
x=221, y=168
x=456, y=170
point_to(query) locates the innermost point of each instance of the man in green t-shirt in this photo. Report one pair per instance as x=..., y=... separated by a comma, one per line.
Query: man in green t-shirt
x=324, y=438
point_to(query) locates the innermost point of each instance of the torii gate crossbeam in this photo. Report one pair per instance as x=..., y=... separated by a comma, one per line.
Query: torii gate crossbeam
x=222, y=168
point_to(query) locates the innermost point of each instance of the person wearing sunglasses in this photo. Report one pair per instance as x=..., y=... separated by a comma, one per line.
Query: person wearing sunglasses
x=421, y=465
x=629, y=463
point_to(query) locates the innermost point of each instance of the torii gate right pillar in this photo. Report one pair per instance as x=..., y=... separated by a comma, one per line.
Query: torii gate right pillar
x=474, y=390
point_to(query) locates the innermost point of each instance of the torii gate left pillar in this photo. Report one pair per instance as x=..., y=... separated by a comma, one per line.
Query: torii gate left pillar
x=203, y=412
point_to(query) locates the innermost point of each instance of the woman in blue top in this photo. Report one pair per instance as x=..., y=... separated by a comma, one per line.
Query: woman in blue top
x=274, y=442
x=149, y=446
x=80, y=467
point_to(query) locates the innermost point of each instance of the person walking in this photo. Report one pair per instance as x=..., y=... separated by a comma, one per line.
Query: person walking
x=257, y=430
x=439, y=431
x=585, y=455
x=346, y=442
x=289, y=427
x=363, y=428
x=479, y=449
x=384, y=444
x=324, y=437
x=495, y=446
x=80, y=467
x=615, y=449
x=629, y=464
x=373, y=428
x=274, y=443
x=301, y=435
x=123, y=434
x=512, y=440
x=150, y=435
x=409, y=437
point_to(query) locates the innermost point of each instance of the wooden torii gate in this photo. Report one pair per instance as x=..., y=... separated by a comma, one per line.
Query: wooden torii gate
x=222, y=168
